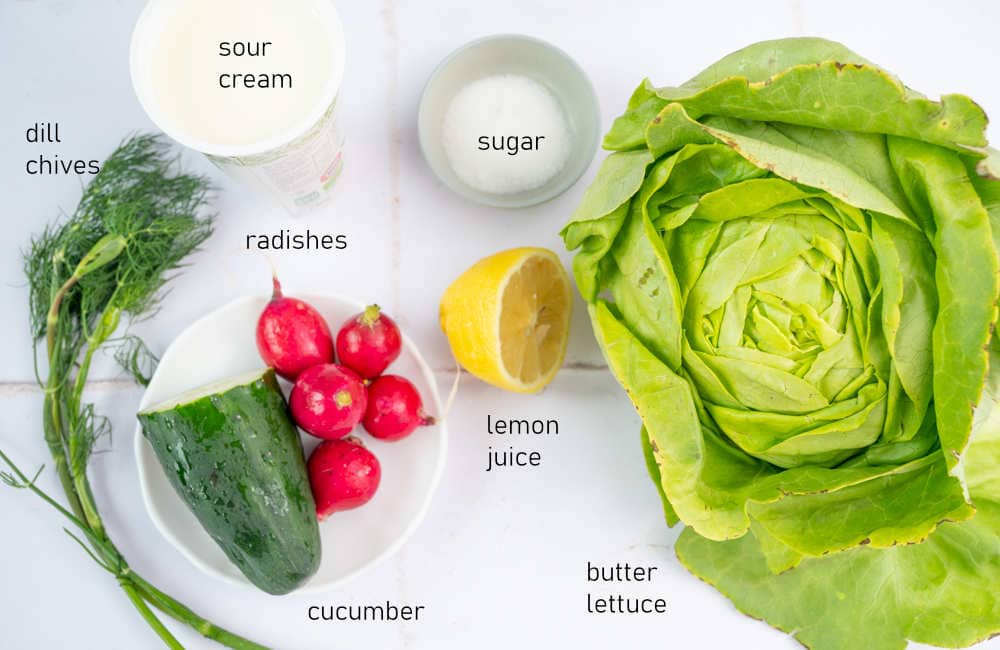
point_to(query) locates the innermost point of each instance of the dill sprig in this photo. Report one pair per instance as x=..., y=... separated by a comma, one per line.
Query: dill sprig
x=135, y=358
x=135, y=225
x=134, y=198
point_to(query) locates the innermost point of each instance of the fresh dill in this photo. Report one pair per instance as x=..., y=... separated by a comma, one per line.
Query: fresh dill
x=137, y=222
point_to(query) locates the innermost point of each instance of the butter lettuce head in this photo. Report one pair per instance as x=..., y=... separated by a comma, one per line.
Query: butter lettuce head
x=791, y=267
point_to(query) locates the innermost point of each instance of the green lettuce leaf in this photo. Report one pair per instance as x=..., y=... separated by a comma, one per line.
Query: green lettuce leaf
x=791, y=267
x=943, y=591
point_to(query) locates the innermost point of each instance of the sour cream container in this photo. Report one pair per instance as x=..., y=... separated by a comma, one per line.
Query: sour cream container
x=252, y=84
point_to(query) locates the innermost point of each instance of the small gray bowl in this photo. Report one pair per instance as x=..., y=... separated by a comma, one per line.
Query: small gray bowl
x=521, y=55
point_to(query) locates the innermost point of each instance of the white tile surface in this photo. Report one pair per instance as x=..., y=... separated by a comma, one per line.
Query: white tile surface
x=500, y=560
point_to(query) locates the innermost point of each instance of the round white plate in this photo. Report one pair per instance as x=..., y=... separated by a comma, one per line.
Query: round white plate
x=222, y=344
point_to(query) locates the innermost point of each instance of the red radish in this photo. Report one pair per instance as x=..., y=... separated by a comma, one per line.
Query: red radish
x=292, y=336
x=328, y=401
x=395, y=409
x=343, y=475
x=368, y=342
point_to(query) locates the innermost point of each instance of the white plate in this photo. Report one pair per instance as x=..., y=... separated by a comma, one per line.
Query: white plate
x=221, y=345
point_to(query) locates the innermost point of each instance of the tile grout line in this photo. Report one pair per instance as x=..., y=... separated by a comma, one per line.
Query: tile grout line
x=14, y=387
x=395, y=142
x=797, y=23
x=392, y=109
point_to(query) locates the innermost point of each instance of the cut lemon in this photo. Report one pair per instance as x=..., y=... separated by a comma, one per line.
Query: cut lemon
x=507, y=318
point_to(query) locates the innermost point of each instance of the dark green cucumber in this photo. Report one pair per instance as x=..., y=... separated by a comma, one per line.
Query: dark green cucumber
x=232, y=453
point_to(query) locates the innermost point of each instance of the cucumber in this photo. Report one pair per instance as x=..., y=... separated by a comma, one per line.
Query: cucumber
x=234, y=456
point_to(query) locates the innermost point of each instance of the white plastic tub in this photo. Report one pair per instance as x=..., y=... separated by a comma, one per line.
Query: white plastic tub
x=298, y=162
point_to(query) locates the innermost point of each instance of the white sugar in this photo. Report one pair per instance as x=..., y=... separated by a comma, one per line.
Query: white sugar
x=506, y=134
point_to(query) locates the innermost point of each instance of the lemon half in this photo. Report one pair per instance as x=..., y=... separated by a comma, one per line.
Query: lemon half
x=507, y=318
